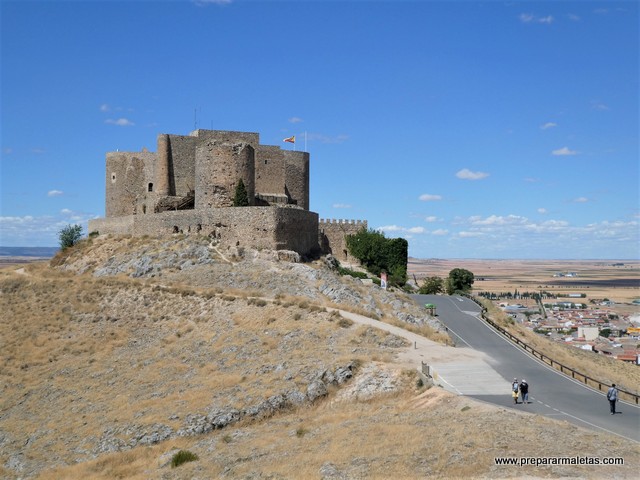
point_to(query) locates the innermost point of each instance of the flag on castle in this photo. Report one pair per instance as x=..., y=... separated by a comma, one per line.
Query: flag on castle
x=291, y=139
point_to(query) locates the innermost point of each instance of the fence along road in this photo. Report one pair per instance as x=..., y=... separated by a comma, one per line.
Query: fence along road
x=551, y=393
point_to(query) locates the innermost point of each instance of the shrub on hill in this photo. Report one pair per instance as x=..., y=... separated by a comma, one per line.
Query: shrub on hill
x=380, y=254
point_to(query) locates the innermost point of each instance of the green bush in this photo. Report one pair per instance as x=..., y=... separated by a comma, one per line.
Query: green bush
x=352, y=273
x=379, y=254
x=241, y=198
x=69, y=236
x=183, y=456
x=459, y=280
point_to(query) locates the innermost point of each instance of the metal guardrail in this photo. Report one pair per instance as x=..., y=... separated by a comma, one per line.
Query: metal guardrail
x=587, y=380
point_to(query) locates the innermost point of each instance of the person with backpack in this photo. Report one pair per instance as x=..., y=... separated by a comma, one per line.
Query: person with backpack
x=524, y=391
x=612, y=396
x=514, y=390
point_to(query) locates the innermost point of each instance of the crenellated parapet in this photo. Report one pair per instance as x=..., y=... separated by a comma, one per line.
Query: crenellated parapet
x=332, y=236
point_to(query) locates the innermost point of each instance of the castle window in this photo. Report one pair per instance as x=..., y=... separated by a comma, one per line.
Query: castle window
x=265, y=161
x=150, y=188
x=113, y=178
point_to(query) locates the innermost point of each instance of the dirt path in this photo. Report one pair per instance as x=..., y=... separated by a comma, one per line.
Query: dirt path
x=462, y=371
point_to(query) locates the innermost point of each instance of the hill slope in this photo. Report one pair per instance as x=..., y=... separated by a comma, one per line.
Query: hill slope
x=129, y=349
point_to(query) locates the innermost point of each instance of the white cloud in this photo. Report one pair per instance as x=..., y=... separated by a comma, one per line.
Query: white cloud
x=467, y=174
x=341, y=205
x=564, y=151
x=516, y=236
x=581, y=200
x=55, y=193
x=440, y=232
x=595, y=105
x=499, y=220
x=431, y=218
x=427, y=197
x=38, y=151
x=295, y=120
x=402, y=230
x=121, y=122
x=40, y=231
x=204, y=3
x=531, y=18
x=542, y=210
x=574, y=17
x=465, y=234
x=105, y=108
x=391, y=228
x=548, y=125
x=7, y=151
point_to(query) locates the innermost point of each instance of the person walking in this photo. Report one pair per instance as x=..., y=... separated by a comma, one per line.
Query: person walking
x=524, y=391
x=514, y=390
x=612, y=396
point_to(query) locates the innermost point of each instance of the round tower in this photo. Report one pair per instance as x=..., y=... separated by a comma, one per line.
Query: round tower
x=219, y=168
x=162, y=166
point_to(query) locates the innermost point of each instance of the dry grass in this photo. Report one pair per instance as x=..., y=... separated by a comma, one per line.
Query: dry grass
x=430, y=435
x=81, y=355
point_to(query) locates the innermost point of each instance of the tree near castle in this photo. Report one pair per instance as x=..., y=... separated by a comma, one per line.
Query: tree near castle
x=377, y=254
x=241, y=197
x=69, y=236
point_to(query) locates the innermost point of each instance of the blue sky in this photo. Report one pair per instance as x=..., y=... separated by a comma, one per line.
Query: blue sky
x=473, y=129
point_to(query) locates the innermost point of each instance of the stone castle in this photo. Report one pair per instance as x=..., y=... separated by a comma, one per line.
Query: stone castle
x=188, y=186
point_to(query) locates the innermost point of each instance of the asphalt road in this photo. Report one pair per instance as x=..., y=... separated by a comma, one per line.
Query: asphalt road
x=550, y=393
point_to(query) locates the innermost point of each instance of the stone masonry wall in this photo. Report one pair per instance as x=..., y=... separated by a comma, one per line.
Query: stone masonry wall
x=219, y=167
x=332, y=237
x=182, y=165
x=272, y=228
x=297, y=177
x=128, y=175
x=270, y=170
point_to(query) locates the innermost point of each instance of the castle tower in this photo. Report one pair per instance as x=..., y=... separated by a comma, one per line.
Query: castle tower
x=162, y=167
x=219, y=167
x=297, y=177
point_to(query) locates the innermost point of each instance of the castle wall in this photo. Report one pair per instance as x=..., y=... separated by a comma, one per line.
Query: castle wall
x=226, y=136
x=270, y=171
x=297, y=177
x=182, y=165
x=332, y=237
x=219, y=167
x=113, y=225
x=128, y=175
x=271, y=228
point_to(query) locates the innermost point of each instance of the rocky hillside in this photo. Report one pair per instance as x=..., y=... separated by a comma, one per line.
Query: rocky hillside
x=124, y=351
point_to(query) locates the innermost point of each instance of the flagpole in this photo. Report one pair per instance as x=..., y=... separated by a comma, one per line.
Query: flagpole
x=305, y=141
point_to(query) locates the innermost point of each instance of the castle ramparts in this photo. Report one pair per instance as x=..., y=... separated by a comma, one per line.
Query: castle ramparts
x=189, y=184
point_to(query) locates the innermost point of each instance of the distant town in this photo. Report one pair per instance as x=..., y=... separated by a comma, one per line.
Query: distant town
x=595, y=325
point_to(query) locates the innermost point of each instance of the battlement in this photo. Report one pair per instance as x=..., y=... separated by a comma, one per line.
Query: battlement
x=332, y=236
x=329, y=221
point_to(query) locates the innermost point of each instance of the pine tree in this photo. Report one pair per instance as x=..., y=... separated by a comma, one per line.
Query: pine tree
x=241, y=198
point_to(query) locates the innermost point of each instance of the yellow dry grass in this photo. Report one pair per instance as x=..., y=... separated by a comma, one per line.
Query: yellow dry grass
x=80, y=355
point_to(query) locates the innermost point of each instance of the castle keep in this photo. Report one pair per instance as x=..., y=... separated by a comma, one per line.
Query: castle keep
x=188, y=186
